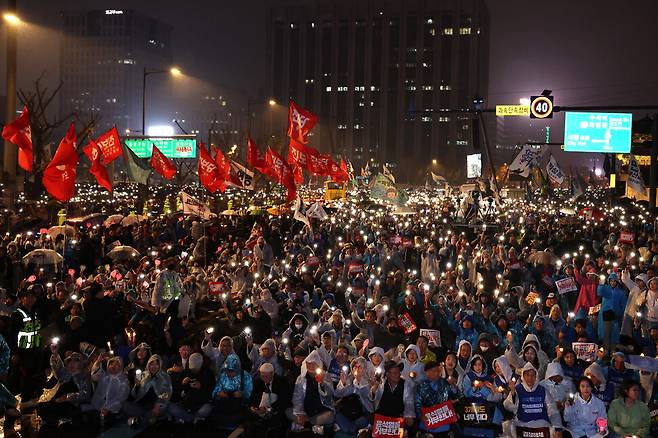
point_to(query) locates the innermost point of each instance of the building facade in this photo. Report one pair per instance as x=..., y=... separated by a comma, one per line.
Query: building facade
x=381, y=74
x=102, y=59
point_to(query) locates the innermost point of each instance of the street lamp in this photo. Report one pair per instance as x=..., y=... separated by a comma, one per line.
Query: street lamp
x=11, y=19
x=434, y=161
x=271, y=102
x=174, y=71
x=10, y=152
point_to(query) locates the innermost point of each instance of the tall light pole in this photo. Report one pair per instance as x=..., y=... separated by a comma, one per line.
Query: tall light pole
x=250, y=102
x=12, y=21
x=173, y=71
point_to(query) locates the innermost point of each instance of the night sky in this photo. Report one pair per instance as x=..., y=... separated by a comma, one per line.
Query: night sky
x=592, y=52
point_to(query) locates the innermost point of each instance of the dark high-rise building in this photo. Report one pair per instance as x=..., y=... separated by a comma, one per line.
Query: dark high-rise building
x=380, y=72
x=103, y=55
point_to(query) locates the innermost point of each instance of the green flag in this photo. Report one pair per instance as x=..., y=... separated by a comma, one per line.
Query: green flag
x=383, y=188
x=136, y=168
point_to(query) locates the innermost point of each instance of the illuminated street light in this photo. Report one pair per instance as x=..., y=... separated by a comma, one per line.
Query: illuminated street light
x=272, y=102
x=174, y=71
x=11, y=19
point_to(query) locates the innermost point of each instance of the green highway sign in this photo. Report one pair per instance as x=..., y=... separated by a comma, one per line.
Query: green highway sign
x=171, y=147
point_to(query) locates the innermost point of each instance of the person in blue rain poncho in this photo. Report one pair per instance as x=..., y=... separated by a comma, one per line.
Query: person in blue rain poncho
x=613, y=305
x=231, y=393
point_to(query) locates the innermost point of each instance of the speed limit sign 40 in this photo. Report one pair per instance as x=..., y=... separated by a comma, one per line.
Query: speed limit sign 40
x=541, y=107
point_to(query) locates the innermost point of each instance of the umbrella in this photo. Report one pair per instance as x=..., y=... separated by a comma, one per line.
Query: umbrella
x=66, y=230
x=123, y=252
x=403, y=211
x=543, y=258
x=87, y=221
x=131, y=219
x=113, y=220
x=42, y=257
x=568, y=211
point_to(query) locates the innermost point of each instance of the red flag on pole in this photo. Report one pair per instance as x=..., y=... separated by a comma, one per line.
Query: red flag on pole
x=110, y=146
x=19, y=133
x=59, y=176
x=208, y=172
x=339, y=173
x=93, y=152
x=162, y=164
x=278, y=169
x=253, y=156
x=300, y=122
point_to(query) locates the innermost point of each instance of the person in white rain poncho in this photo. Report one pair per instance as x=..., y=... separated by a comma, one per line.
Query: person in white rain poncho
x=312, y=400
x=532, y=405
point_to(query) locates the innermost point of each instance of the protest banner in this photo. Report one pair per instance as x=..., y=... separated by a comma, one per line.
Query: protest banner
x=566, y=285
x=585, y=350
x=387, y=427
x=439, y=415
x=433, y=337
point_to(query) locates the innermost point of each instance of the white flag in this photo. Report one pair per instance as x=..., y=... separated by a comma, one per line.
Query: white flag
x=241, y=177
x=635, y=180
x=387, y=173
x=316, y=211
x=192, y=205
x=438, y=178
x=524, y=161
x=554, y=172
x=300, y=211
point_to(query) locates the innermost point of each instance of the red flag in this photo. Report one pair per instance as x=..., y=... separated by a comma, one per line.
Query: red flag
x=278, y=169
x=339, y=173
x=253, y=156
x=162, y=164
x=300, y=122
x=223, y=166
x=19, y=133
x=93, y=151
x=110, y=146
x=301, y=155
x=213, y=150
x=208, y=172
x=59, y=176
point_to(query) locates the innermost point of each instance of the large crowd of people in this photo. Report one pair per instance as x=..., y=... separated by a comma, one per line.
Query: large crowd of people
x=540, y=323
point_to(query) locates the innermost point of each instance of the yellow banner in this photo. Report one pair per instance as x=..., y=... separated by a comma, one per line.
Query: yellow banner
x=512, y=110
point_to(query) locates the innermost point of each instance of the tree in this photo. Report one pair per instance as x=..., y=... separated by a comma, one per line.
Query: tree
x=43, y=126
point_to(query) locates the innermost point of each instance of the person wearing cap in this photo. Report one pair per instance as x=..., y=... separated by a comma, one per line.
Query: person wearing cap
x=613, y=304
x=270, y=397
x=25, y=340
x=431, y=391
x=393, y=396
x=61, y=403
x=111, y=391
x=190, y=400
x=617, y=371
x=532, y=405
x=637, y=288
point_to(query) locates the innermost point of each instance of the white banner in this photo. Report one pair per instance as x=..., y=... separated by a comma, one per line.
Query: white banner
x=241, y=177
x=191, y=205
x=635, y=180
x=524, y=161
x=554, y=172
x=316, y=211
